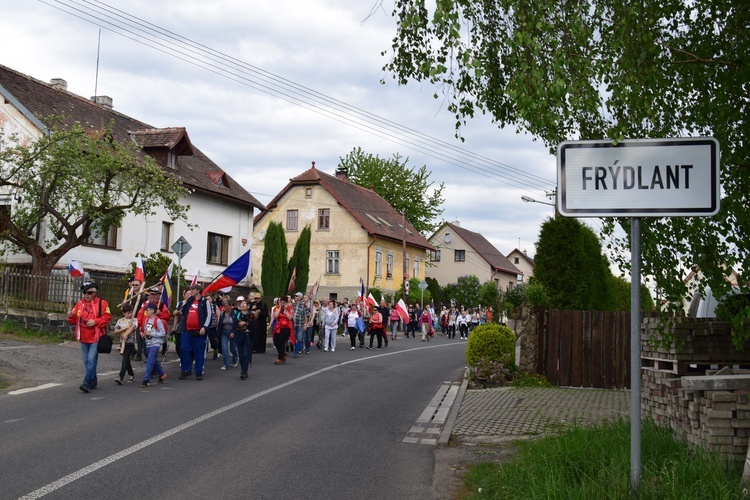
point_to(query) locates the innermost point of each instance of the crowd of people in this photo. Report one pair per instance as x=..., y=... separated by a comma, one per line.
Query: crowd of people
x=232, y=330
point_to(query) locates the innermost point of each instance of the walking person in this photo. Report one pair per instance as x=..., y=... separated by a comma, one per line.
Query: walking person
x=394, y=321
x=385, y=314
x=227, y=325
x=196, y=316
x=90, y=316
x=213, y=328
x=282, y=330
x=377, y=328
x=463, y=320
x=330, y=325
x=154, y=332
x=452, y=315
x=126, y=327
x=244, y=337
x=350, y=321
x=299, y=319
x=425, y=324
x=137, y=298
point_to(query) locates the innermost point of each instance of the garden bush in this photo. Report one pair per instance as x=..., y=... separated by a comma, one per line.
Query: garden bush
x=491, y=342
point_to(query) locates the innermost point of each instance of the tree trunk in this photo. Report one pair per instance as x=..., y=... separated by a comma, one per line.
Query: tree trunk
x=41, y=271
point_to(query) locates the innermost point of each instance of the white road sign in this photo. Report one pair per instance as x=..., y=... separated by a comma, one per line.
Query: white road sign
x=639, y=178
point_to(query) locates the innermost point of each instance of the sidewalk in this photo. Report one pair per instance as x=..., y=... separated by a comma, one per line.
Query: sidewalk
x=506, y=413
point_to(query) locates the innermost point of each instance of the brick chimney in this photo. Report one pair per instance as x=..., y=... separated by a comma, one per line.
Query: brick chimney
x=59, y=84
x=103, y=100
x=342, y=173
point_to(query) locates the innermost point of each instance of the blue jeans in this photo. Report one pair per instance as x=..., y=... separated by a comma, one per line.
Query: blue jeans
x=192, y=348
x=152, y=362
x=245, y=347
x=90, y=357
x=228, y=345
x=299, y=340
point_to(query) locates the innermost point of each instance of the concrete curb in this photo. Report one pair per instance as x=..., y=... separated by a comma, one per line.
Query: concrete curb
x=445, y=435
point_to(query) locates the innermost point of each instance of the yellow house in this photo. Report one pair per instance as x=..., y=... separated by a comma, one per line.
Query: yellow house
x=355, y=234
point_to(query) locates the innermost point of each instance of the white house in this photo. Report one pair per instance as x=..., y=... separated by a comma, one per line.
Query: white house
x=221, y=209
x=523, y=262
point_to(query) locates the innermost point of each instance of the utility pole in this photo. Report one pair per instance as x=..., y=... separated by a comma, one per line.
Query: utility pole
x=403, y=254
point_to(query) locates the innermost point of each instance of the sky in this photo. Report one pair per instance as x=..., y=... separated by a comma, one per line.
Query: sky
x=264, y=88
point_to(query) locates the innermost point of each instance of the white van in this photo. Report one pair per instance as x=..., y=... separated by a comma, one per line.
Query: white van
x=705, y=307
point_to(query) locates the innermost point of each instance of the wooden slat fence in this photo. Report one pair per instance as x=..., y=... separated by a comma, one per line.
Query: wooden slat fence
x=584, y=348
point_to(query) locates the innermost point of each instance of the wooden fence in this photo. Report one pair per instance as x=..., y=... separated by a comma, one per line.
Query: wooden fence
x=584, y=348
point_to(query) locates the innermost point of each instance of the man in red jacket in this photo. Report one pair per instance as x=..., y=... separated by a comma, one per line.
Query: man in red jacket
x=90, y=316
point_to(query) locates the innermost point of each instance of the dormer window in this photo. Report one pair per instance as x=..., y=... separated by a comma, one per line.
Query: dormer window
x=171, y=160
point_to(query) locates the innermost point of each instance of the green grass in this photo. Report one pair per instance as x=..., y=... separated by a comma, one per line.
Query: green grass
x=18, y=332
x=585, y=463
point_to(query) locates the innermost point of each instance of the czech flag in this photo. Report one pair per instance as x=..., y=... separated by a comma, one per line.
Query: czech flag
x=140, y=272
x=75, y=268
x=232, y=275
x=402, y=311
x=166, y=289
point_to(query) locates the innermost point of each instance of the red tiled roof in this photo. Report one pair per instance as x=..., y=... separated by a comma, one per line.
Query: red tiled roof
x=41, y=102
x=374, y=214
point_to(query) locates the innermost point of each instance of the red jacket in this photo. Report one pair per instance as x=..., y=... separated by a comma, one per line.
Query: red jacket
x=96, y=309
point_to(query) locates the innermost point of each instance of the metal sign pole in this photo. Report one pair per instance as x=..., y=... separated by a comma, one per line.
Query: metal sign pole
x=635, y=356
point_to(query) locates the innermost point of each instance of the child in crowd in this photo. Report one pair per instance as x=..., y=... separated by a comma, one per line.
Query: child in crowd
x=126, y=328
x=154, y=332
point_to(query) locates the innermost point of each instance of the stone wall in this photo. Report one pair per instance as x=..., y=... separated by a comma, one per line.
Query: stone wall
x=697, y=389
x=38, y=320
x=527, y=340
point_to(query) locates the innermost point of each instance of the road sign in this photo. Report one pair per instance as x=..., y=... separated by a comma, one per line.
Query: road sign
x=422, y=285
x=639, y=178
x=181, y=247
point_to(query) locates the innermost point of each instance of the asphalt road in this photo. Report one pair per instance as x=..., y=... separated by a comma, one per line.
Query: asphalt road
x=326, y=425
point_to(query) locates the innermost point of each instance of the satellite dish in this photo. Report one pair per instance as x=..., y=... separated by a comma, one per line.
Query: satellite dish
x=261, y=234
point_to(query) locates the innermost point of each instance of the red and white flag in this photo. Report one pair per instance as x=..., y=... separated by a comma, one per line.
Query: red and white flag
x=197, y=275
x=140, y=272
x=371, y=301
x=402, y=310
x=313, y=291
x=361, y=291
x=75, y=269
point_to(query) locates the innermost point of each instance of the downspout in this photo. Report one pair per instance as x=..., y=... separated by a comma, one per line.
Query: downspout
x=367, y=279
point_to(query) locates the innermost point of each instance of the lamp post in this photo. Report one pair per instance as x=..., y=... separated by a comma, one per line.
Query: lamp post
x=529, y=199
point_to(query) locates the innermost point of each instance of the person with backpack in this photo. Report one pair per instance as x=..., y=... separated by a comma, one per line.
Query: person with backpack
x=154, y=331
x=90, y=316
x=196, y=317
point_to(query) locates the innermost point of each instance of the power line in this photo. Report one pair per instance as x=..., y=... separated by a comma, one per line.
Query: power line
x=177, y=46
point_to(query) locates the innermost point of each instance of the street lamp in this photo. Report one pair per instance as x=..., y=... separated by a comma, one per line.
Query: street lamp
x=528, y=199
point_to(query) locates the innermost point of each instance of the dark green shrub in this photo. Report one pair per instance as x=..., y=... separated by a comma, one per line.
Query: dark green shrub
x=491, y=342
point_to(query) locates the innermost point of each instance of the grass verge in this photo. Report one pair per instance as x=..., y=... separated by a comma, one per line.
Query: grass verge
x=15, y=331
x=594, y=462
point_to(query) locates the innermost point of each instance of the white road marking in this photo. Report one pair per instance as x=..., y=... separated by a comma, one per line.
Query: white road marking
x=32, y=389
x=55, y=485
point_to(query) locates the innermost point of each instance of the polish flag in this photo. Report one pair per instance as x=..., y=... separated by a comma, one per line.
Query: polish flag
x=371, y=301
x=140, y=272
x=402, y=310
x=75, y=268
x=197, y=275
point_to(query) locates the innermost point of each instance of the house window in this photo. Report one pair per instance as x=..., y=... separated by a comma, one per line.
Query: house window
x=389, y=266
x=516, y=260
x=308, y=192
x=378, y=263
x=171, y=160
x=459, y=255
x=415, y=273
x=218, y=249
x=292, y=220
x=166, y=236
x=436, y=256
x=332, y=262
x=510, y=285
x=107, y=240
x=324, y=218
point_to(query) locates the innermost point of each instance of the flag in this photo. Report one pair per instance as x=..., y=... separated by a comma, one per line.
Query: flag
x=197, y=275
x=140, y=273
x=166, y=289
x=371, y=301
x=402, y=310
x=75, y=268
x=313, y=291
x=361, y=291
x=232, y=275
x=292, y=282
